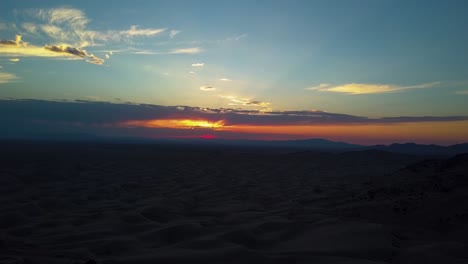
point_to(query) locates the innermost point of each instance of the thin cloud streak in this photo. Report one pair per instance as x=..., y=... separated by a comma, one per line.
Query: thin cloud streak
x=194, y=50
x=244, y=101
x=6, y=77
x=207, y=88
x=362, y=88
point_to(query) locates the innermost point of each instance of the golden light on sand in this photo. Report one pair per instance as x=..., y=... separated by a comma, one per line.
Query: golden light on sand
x=176, y=123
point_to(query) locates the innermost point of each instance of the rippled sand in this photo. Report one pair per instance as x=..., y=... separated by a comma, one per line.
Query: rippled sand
x=71, y=203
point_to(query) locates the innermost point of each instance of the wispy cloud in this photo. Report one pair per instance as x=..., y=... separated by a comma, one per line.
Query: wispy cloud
x=319, y=87
x=463, y=92
x=234, y=100
x=236, y=38
x=68, y=31
x=199, y=64
x=14, y=59
x=207, y=88
x=173, y=33
x=7, y=77
x=71, y=25
x=134, y=31
x=225, y=79
x=194, y=50
x=30, y=27
x=361, y=88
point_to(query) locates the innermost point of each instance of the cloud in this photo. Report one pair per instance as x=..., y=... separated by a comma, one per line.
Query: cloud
x=63, y=15
x=134, y=31
x=105, y=113
x=207, y=88
x=70, y=50
x=225, y=79
x=194, y=50
x=244, y=101
x=198, y=64
x=7, y=77
x=173, y=33
x=18, y=42
x=76, y=52
x=18, y=48
x=191, y=72
x=319, y=87
x=70, y=25
x=463, y=92
x=236, y=38
x=30, y=28
x=360, y=88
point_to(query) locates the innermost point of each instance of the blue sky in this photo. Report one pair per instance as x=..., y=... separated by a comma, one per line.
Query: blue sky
x=364, y=58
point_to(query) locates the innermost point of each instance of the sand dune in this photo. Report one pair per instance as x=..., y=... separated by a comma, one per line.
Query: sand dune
x=130, y=204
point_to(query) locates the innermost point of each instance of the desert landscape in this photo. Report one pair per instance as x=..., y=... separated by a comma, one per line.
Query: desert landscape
x=136, y=203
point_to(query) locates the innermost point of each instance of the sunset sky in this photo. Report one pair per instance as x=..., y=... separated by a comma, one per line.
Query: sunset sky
x=365, y=72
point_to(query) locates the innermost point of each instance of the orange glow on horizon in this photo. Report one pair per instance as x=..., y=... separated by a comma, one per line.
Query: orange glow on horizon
x=176, y=123
x=428, y=132
x=412, y=132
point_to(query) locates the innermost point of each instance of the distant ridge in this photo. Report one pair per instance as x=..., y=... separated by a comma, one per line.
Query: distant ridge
x=314, y=144
x=419, y=149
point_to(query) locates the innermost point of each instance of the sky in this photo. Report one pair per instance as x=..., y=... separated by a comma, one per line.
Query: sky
x=368, y=72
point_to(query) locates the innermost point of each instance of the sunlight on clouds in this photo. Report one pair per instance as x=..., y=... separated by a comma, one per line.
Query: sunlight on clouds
x=194, y=50
x=135, y=31
x=175, y=123
x=76, y=52
x=67, y=32
x=225, y=79
x=360, y=88
x=244, y=101
x=18, y=47
x=198, y=64
x=70, y=25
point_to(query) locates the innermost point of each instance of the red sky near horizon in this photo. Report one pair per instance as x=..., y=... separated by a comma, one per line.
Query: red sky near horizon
x=445, y=133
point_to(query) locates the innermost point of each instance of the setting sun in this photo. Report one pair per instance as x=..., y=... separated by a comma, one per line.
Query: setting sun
x=176, y=123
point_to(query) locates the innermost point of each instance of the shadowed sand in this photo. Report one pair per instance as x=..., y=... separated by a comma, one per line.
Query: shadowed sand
x=75, y=203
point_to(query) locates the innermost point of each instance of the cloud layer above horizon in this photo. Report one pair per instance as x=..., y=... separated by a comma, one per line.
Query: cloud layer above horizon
x=106, y=119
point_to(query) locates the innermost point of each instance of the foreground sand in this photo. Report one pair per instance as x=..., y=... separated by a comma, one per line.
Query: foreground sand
x=134, y=204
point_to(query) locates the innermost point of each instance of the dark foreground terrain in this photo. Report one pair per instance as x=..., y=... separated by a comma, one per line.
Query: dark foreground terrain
x=102, y=203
